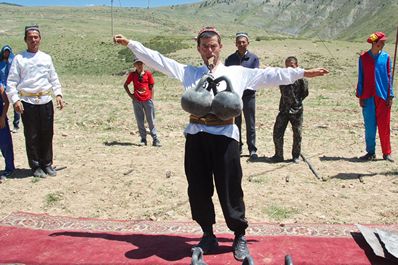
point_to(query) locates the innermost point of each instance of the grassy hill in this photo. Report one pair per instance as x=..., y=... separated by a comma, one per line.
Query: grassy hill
x=344, y=19
x=79, y=39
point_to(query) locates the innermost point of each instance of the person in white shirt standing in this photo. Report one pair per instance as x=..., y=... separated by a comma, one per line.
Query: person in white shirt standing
x=212, y=141
x=31, y=81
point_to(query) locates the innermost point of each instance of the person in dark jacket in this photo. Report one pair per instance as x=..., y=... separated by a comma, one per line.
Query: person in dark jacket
x=6, y=146
x=6, y=57
x=290, y=110
x=246, y=59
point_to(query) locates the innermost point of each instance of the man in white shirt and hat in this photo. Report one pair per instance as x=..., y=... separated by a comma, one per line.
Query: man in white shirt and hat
x=31, y=82
x=212, y=142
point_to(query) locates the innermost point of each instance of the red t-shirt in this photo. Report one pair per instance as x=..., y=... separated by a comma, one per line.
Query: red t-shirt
x=141, y=85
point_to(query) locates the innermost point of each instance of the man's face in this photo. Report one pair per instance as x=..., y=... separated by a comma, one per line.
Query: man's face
x=242, y=43
x=291, y=63
x=33, y=41
x=6, y=54
x=210, y=48
x=380, y=44
x=139, y=66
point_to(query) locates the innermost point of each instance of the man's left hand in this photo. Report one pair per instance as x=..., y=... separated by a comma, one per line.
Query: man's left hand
x=315, y=72
x=60, y=102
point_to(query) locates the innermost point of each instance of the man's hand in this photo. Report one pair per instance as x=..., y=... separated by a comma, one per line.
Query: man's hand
x=389, y=102
x=60, y=102
x=18, y=107
x=315, y=72
x=120, y=39
x=2, y=122
x=361, y=102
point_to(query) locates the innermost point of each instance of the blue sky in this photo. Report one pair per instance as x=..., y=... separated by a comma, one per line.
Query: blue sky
x=116, y=3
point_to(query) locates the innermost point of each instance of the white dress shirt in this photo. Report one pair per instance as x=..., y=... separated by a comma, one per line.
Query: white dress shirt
x=32, y=73
x=241, y=78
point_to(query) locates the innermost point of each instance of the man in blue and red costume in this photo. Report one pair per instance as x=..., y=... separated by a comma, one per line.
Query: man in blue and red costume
x=375, y=95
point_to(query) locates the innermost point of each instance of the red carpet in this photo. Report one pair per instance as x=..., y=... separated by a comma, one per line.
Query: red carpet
x=41, y=239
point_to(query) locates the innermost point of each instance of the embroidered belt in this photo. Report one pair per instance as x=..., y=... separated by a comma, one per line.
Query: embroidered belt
x=35, y=95
x=210, y=120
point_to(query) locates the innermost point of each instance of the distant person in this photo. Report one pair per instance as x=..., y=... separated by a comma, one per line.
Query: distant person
x=212, y=143
x=290, y=110
x=142, y=96
x=5, y=137
x=7, y=56
x=375, y=93
x=246, y=59
x=31, y=82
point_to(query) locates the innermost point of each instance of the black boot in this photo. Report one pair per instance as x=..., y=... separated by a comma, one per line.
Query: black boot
x=241, y=251
x=208, y=243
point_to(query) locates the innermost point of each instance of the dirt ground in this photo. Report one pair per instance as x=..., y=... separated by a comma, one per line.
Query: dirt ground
x=104, y=173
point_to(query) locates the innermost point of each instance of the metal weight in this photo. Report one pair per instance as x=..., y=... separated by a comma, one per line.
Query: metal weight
x=226, y=104
x=197, y=257
x=197, y=101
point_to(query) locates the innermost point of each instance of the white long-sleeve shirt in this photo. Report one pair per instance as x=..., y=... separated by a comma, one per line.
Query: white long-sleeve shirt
x=241, y=78
x=32, y=73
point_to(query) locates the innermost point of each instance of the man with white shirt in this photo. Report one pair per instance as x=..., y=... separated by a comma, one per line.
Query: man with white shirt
x=212, y=143
x=31, y=81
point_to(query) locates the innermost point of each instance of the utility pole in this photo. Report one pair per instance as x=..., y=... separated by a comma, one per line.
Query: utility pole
x=148, y=5
x=112, y=17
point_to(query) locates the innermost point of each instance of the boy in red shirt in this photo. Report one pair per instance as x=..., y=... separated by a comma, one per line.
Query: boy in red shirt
x=143, y=106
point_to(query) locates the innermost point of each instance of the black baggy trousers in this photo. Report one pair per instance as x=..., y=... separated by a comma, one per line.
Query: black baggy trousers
x=208, y=155
x=38, y=122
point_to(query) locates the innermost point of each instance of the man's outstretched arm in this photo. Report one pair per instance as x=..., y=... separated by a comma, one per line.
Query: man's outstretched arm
x=315, y=72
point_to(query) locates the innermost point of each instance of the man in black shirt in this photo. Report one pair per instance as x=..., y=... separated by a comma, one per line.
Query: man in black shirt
x=246, y=59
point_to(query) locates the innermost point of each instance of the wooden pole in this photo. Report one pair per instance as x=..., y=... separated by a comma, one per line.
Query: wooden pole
x=311, y=167
x=395, y=57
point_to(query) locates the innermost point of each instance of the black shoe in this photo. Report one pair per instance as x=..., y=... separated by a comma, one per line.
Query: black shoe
x=156, y=142
x=276, y=159
x=388, y=158
x=15, y=129
x=241, y=251
x=39, y=173
x=143, y=142
x=6, y=174
x=253, y=156
x=296, y=160
x=368, y=157
x=208, y=244
x=50, y=171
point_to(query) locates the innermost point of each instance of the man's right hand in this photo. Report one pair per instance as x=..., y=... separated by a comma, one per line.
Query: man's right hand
x=2, y=122
x=120, y=39
x=18, y=107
